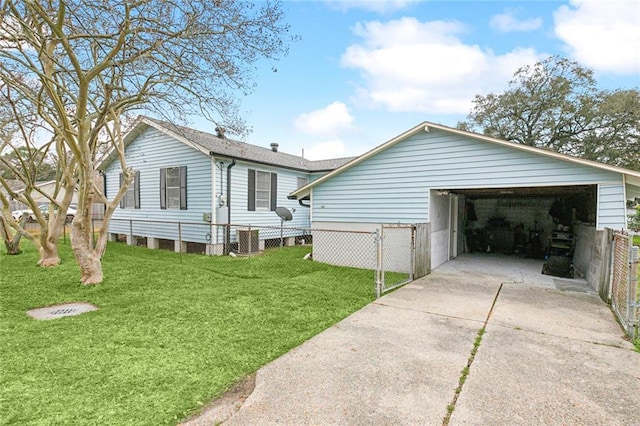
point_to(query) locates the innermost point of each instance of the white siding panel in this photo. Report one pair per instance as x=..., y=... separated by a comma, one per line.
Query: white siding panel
x=439, y=248
x=393, y=186
x=611, y=207
x=439, y=218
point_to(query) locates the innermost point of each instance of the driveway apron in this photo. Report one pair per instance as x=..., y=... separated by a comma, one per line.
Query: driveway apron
x=546, y=357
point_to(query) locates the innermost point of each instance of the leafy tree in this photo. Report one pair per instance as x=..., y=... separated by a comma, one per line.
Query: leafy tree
x=634, y=221
x=40, y=165
x=556, y=105
x=83, y=65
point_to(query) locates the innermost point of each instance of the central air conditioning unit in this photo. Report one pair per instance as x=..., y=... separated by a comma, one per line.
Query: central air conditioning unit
x=248, y=241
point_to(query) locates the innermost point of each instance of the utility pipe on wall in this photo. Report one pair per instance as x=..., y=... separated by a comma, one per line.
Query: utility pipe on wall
x=227, y=234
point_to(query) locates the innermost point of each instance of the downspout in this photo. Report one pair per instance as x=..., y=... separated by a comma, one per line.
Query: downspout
x=227, y=236
x=301, y=202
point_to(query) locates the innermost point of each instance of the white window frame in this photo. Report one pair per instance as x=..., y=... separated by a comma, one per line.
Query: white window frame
x=172, y=191
x=263, y=203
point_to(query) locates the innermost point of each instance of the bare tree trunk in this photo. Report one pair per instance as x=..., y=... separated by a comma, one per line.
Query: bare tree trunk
x=50, y=234
x=12, y=243
x=48, y=254
x=82, y=244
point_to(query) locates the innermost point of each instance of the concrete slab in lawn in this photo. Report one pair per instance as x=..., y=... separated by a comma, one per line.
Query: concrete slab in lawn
x=61, y=310
x=522, y=377
x=382, y=365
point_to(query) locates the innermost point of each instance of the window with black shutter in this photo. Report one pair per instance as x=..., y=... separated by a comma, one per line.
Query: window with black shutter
x=262, y=190
x=131, y=198
x=173, y=188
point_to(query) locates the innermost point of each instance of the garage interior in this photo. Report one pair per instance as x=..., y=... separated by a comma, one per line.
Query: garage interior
x=555, y=224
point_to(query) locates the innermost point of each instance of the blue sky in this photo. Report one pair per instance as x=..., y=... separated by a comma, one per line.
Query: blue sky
x=366, y=71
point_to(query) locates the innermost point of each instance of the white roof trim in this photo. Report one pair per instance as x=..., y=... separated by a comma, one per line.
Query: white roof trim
x=426, y=125
x=174, y=135
x=140, y=125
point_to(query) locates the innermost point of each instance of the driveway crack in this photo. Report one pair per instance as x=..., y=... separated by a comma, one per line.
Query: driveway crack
x=465, y=371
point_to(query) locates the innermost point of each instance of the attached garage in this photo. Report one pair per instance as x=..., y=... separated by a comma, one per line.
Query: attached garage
x=477, y=193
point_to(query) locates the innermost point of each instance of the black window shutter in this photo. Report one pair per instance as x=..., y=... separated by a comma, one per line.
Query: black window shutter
x=163, y=188
x=122, y=199
x=274, y=191
x=136, y=191
x=251, y=199
x=183, y=187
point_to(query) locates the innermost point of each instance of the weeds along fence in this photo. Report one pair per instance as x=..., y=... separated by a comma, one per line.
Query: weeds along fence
x=389, y=251
x=623, y=289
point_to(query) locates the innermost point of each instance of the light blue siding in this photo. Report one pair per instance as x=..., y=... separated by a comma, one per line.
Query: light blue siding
x=148, y=153
x=153, y=150
x=611, y=207
x=393, y=186
x=287, y=183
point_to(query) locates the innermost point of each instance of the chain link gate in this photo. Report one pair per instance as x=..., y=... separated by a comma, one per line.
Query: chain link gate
x=624, y=282
x=402, y=255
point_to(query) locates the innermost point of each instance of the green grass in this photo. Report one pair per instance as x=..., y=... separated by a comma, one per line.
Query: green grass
x=171, y=333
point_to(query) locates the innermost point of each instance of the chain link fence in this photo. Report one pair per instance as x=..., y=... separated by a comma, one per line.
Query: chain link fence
x=396, y=256
x=623, y=291
x=388, y=252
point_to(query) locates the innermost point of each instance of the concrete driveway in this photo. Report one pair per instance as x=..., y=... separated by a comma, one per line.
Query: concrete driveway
x=547, y=357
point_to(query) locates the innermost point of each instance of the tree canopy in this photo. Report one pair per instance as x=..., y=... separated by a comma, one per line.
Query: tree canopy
x=75, y=68
x=38, y=165
x=556, y=105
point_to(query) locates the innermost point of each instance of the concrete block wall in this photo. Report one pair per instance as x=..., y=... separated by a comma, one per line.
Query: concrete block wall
x=515, y=211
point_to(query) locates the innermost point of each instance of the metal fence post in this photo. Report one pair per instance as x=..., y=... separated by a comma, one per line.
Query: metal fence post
x=379, y=262
x=412, y=253
x=250, y=242
x=632, y=299
x=131, y=231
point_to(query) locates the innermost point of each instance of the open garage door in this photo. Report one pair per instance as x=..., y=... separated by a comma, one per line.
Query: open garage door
x=514, y=221
x=523, y=220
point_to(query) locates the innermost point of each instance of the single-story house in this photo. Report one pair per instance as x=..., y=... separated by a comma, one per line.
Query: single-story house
x=477, y=193
x=200, y=180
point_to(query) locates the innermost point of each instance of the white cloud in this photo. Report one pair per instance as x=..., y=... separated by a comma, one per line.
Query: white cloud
x=325, y=150
x=409, y=65
x=508, y=22
x=602, y=35
x=332, y=120
x=378, y=6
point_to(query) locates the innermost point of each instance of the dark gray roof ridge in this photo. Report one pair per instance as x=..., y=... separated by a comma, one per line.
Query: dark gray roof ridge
x=231, y=148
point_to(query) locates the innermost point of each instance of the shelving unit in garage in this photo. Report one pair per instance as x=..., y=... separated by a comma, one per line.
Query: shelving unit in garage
x=560, y=255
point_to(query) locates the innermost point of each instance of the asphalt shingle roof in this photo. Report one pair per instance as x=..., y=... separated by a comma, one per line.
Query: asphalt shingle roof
x=243, y=151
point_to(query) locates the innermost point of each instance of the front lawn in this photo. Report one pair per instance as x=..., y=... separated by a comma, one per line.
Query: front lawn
x=171, y=332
